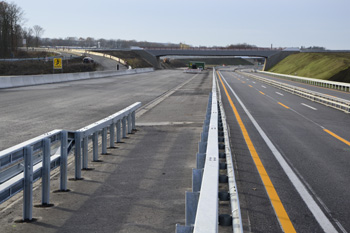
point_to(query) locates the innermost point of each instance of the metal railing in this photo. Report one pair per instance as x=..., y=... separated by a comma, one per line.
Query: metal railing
x=316, y=82
x=202, y=204
x=25, y=163
x=116, y=123
x=331, y=101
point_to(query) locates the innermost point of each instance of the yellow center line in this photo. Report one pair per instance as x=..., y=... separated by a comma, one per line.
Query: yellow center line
x=262, y=93
x=281, y=213
x=250, y=85
x=337, y=137
x=283, y=105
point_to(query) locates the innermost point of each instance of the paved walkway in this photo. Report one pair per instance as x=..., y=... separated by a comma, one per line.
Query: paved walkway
x=140, y=185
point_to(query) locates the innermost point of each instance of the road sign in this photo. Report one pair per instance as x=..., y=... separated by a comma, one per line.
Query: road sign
x=57, y=63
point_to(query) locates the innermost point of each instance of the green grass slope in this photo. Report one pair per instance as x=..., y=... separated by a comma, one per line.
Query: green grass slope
x=327, y=66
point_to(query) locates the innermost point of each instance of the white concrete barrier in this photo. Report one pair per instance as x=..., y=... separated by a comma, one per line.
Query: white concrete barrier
x=30, y=80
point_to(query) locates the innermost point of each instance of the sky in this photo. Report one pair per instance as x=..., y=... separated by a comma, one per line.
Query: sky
x=280, y=23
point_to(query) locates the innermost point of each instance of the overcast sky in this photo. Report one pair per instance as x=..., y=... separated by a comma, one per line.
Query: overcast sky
x=283, y=23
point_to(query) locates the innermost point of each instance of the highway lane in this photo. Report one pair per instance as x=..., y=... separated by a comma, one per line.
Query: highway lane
x=296, y=127
x=28, y=112
x=324, y=90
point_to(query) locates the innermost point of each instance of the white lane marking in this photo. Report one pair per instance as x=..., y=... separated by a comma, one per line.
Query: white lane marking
x=279, y=94
x=254, y=82
x=263, y=86
x=320, y=217
x=309, y=106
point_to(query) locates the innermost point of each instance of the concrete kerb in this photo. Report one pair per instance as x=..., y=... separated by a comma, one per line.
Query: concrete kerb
x=31, y=80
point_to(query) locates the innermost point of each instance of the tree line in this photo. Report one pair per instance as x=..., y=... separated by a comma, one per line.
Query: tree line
x=12, y=33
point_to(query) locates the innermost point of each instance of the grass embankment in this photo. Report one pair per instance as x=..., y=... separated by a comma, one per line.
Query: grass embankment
x=326, y=66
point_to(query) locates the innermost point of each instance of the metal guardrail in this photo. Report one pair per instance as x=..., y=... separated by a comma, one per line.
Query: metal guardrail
x=114, y=123
x=331, y=101
x=316, y=82
x=233, y=191
x=25, y=163
x=207, y=210
x=202, y=204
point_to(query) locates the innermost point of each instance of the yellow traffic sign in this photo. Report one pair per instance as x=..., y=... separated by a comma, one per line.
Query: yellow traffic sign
x=57, y=63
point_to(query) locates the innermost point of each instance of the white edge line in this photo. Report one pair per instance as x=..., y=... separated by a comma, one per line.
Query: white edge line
x=320, y=217
x=309, y=106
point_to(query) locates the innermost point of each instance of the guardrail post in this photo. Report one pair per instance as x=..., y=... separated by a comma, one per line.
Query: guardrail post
x=191, y=203
x=200, y=160
x=129, y=124
x=63, y=161
x=95, y=146
x=118, y=131
x=111, y=135
x=124, y=127
x=85, y=152
x=28, y=184
x=197, y=175
x=104, y=141
x=78, y=155
x=133, y=116
x=46, y=172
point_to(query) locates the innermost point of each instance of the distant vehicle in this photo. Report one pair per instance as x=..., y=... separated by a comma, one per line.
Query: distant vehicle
x=196, y=65
x=88, y=60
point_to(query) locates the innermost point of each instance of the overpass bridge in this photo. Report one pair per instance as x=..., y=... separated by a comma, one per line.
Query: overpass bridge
x=272, y=56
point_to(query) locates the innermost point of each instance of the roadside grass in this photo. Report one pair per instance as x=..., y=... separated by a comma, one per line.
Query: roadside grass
x=326, y=66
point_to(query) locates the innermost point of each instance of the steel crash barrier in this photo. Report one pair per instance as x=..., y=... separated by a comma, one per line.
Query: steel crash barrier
x=316, y=82
x=331, y=101
x=213, y=160
x=25, y=163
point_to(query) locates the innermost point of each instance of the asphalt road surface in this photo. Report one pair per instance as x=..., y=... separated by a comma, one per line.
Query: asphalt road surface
x=312, y=139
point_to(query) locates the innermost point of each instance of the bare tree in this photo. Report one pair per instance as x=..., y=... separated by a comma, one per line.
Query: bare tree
x=27, y=34
x=10, y=29
x=39, y=31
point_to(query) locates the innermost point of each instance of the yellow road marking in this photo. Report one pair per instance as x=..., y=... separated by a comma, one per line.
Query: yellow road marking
x=283, y=105
x=262, y=93
x=243, y=81
x=250, y=85
x=281, y=213
x=337, y=137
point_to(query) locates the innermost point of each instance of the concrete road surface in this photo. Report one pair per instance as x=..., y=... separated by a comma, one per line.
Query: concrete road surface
x=140, y=185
